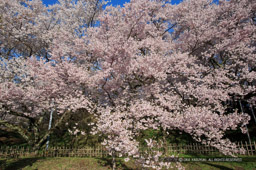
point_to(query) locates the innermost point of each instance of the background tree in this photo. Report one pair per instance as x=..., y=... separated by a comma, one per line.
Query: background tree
x=36, y=61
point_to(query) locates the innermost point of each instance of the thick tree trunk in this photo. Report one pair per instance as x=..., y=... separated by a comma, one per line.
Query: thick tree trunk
x=19, y=130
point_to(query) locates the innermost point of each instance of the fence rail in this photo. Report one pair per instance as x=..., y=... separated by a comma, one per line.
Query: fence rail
x=100, y=151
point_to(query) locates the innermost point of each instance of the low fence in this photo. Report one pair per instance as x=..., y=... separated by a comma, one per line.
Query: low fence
x=197, y=148
x=16, y=152
x=100, y=151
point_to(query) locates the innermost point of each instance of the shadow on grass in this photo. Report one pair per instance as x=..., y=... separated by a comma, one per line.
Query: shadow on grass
x=119, y=163
x=18, y=163
x=217, y=166
x=2, y=164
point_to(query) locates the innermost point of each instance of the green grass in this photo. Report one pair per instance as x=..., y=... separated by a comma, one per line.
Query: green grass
x=105, y=164
x=239, y=163
x=64, y=163
x=220, y=165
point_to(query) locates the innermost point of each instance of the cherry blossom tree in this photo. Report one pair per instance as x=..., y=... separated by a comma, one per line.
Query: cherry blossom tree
x=173, y=67
x=148, y=65
x=39, y=72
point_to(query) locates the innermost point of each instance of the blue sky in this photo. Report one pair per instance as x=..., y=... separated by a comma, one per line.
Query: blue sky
x=113, y=2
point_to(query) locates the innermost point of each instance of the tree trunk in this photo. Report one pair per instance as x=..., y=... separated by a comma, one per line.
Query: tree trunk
x=113, y=161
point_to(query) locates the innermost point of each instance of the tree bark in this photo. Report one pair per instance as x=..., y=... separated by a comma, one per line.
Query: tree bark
x=21, y=131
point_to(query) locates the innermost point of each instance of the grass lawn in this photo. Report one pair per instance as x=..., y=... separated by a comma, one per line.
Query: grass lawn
x=62, y=163
x=66, y=163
